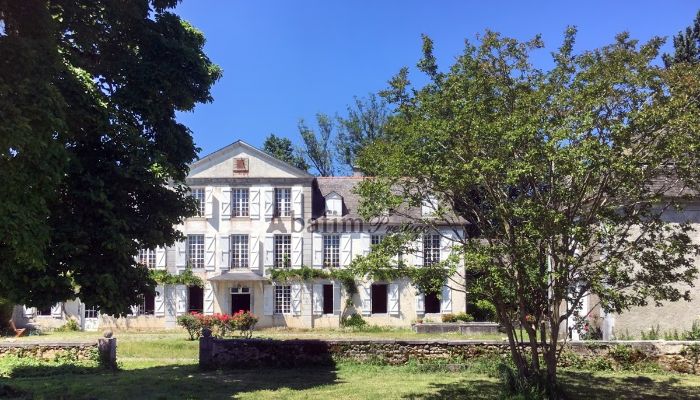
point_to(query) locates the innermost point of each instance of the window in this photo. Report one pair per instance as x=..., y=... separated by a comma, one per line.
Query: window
x=147, y=258
x=283, y=202
x=334, y=205
x=432, y=303
x=239, y=202
x=328, y=299
x=195, y=251
x=146, y=305
x=195, y=294
x=431, y=249
x=376, y=239
x=43, y=311
x=198, y=194
x=239, y=251
x=91, y=311
x=283, y=299
x=379, y=298
x=283, y=251
x=331, y=251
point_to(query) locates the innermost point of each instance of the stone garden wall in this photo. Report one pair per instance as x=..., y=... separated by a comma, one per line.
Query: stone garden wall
x=103, y=350
x=250, y=353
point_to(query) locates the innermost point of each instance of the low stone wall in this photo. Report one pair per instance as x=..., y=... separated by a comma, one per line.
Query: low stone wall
x=103, y=350
x=465, y=328
x=250, y=353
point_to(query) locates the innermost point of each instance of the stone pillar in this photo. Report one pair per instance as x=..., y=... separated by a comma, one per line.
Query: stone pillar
x=205, y=349
x=107, y=348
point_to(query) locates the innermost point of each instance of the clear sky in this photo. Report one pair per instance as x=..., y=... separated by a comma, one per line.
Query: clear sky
x=286, y=60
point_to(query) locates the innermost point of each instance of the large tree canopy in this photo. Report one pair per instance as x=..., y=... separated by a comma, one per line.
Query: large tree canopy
x=92, y=158
x=282, y=149
x=561, y=176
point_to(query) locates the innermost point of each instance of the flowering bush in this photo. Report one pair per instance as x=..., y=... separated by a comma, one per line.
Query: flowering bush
x=192, y=324
x=244, y=322
x=221, y=325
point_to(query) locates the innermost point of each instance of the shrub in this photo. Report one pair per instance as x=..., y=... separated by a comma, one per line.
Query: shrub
x=449, y=318
x=244, y=322
x=70, y=326
x=692, y=352
x=654, y=334
x=463, y=317
x=694, y=332
x=353, y=321
x=484, y=310
x=192, y=324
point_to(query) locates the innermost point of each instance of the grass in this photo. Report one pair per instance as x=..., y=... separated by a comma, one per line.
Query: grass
x=163, y=365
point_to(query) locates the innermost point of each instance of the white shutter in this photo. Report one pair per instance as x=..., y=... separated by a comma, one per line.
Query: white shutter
x=446, y=242
x=364, y=243
x=208, y=201
x=180, y=299
x=181, y=254
x=317, y=245
x=210, y=252
x=57, y=310
x=336, y=298
x=365, y=298
x=160, y=257
x=134, y=310
x=225, y=203
x=254, y=205
x=268, y=297
x=158, y=301
x=208, y=299
x=296, y=299
x=418, y=251
x=268, y=248
x=345, y=249
x=254, y=247
x=297, y=250
x=225, y=248
x=393, y=302
x=297, y=202
x=318, y=299
x=446, y=301
x=29, y=312
x=268, y=202
x=420, y=303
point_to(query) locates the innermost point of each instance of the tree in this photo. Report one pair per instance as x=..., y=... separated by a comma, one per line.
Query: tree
x=364, y=122
x=281, y=148
x=317, y=146
x=561, y=177
x=92, y=159
x=686, y=45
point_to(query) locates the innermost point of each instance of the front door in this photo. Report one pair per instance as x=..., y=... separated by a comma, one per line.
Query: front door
x=90, y=318
x=240, y=302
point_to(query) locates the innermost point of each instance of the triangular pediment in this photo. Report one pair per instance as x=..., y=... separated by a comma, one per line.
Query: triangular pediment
x=239, y=159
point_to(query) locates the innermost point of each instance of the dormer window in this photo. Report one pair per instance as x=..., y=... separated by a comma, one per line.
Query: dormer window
x=429, y=206
x=334, y=205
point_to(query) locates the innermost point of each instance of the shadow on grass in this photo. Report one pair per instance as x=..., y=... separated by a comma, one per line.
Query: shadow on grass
x=587, y=385
x=463, y=389
x=175, y=381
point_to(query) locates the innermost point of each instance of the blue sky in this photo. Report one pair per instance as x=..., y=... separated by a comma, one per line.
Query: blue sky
x=286, y=60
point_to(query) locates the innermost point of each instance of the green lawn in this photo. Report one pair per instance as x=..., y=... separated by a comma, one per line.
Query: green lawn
x=163, y=366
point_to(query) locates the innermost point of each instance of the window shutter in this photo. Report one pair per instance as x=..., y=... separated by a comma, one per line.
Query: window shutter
x=365, y=298
x=254, y=247
x=345, y=249
x=181, y=254
x=180, y=299
x=268, y=297
x=336, y=298
x=208, y=299
x=364, y=244
x=268, y=201
x=420, y=303
x=226, y=203
x=254, y=205
x=134, y=310
x=208, y=201
x=418, y=251
x=297, y=202
x=297, y=250
x=57, y=310
x=268, y=248
x=158, y=302
x=446, y=242
x=225, y=246
x=29, y=312
x=160, y=257
x=296, y=299
x=210, y=252
x=318, y=299
x=446, y=301
x=317, y=239
x=393, y=299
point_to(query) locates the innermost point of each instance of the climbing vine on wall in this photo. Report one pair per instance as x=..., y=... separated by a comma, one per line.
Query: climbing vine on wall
x=186, y=277
x=344, y=276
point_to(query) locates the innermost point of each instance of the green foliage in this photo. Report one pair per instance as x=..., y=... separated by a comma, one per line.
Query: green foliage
x=354, y=321
x=186, y=277
x=6, y=308
x=192, y=325
x=305, y=273
x=281, y=148
x=483, y=310
x=318, y=147
x=692, y=352
x=686, y=45
x=459, y=317
x=70, y=326
x=364, y=123
x=92, y=156
x=694, y=332
x=654, y=333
